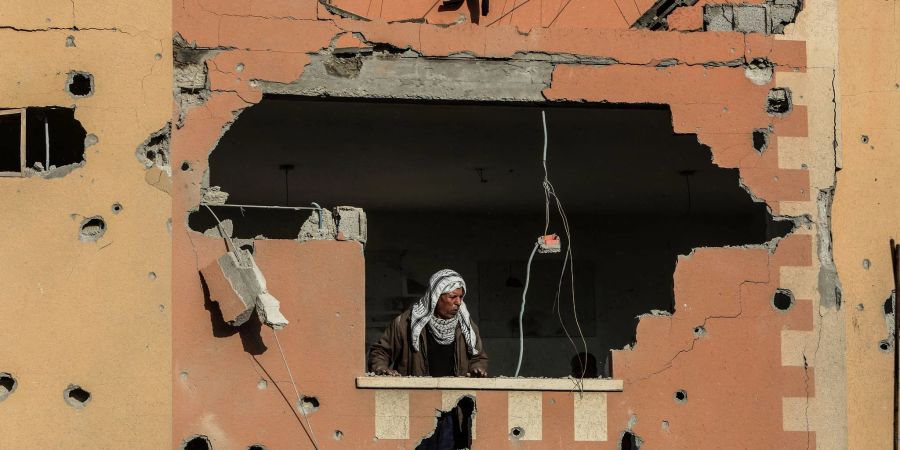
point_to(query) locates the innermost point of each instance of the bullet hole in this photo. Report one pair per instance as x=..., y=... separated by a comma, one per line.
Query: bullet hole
x=308, y=404
x=699, y=331
x=664, y=425
x=183, y=375
x=681, y=396
x=162, y=308
x=860, y=307
x=256, y=447
x=116, y=208
x=517, y=432
x=338, y=435
x=262, y=384
x=151, y=276
x=157, y=56
x=885, y=345
x=92, y=229
x=864, y=139
x=783, y=299
x=630, y=441
x=866, y=264
x=761, y=139
x=185, y=166
x=7, y=385
x=76, y=397
x=70, y=41
x=155, y=150
x=198, y=442
x=239, y=67
x=90, y=140
x=779, y=101
x=759, y=71
x=889, y=306
x=80, y=84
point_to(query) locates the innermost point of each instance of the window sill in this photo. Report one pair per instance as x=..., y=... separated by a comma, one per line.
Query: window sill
x=489, y=384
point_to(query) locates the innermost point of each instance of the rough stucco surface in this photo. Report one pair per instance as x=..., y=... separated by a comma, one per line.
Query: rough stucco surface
x=869, y=99
x=88, y=313
x=759, y=358
x=100, y=314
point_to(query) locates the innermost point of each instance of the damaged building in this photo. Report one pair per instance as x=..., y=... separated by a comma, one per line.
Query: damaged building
x=675, y=220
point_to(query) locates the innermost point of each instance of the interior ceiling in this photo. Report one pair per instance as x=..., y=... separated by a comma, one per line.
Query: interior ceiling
x=426, y=156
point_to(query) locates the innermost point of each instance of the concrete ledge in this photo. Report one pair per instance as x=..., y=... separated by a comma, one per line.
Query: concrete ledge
x=493, y=384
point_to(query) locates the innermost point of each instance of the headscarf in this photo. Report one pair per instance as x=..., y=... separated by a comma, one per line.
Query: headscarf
x=441, y=282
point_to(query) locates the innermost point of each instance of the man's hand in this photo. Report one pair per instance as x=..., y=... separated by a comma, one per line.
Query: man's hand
x=388, y=372
x=478, y=373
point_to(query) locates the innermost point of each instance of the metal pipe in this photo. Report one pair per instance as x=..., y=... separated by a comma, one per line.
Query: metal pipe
x=315, y=207
x=46, y=144
x=320, y=214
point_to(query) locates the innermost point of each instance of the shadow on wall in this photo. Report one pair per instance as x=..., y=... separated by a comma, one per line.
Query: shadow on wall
x=250, y=332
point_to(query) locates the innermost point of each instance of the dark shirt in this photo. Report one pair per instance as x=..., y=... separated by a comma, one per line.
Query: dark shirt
x=441, y=358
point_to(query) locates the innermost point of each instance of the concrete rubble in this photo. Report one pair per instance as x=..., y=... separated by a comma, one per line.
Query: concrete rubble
x=237, y=284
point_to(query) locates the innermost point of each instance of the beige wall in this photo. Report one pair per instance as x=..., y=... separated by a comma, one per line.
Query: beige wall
x=866, y=215
x=88, y=313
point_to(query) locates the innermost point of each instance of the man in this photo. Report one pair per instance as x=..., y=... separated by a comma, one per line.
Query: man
x=436, y=337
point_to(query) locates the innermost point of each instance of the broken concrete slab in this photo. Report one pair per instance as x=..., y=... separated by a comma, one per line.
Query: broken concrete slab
x=269, y=310
x=352, y=224
x=392, y=76
x=234, y=284
x=238, y=286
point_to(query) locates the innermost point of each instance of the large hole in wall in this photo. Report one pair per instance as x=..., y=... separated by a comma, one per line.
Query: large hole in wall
x=453, y=429
x=452, y=185
x=52, y=139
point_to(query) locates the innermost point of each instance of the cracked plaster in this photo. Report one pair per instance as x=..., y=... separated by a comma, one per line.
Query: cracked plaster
x=723, y=116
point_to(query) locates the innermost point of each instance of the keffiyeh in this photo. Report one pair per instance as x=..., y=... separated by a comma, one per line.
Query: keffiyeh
x=444, y=330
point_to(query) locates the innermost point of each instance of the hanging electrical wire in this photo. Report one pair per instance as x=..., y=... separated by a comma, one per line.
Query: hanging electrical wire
x=522, y=309
x=312, y=434
x=567, y=266
x=229, y=244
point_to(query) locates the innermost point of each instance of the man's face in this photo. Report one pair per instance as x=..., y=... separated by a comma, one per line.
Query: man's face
x=448, y=304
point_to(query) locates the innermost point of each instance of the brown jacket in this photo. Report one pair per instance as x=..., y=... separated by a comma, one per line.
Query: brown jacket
x=394, y=351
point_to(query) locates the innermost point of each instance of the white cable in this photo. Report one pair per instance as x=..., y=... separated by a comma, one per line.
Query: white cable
x=546, y=177
x=522, y=309
x=312, y=434
x=544, y=119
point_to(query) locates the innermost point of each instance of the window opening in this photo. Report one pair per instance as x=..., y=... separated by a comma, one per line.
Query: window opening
x=459, y=185
x=39, y=140
x=12, y=142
